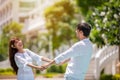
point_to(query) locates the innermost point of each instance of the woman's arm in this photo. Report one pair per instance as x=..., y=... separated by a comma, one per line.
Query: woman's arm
x=46, y=59
x=23, y=63
x=53, y=62
x=36, y=67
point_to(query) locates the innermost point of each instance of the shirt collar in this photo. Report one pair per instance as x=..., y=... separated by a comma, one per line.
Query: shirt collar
x=85, y=39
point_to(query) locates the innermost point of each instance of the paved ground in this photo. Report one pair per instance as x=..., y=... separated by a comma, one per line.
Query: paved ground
x=49, y=79
x=40, y=79
x=37, y=78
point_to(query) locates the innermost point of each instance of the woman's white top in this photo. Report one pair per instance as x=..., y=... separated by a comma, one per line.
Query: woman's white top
x=22, y=59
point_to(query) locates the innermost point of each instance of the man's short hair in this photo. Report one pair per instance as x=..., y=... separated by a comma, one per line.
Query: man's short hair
x=85, y=28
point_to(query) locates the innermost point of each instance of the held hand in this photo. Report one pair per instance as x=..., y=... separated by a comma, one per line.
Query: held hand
x=41, y=68
x=118, y=65
x=45, y=66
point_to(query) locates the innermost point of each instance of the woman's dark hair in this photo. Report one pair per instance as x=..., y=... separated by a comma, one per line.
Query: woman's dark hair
x=85, y=28
x=12, y=52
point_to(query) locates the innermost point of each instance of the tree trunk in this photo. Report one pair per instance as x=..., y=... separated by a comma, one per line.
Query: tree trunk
x=118, y=59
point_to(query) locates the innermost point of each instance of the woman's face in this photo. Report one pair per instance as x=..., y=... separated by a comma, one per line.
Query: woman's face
x=18, y=44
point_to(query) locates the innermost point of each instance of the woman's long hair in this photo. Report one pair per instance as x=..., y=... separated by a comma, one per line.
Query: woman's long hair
x=12, y=52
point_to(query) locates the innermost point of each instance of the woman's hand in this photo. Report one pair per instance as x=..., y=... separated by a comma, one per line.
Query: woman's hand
x=48, y=64
x=41, y=68
x=118, y=65
x=37, y=67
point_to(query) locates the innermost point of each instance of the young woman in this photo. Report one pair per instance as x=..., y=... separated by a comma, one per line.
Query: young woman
x=22, y=59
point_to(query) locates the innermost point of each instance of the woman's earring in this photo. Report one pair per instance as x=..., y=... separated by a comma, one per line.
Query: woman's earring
x=12, y=46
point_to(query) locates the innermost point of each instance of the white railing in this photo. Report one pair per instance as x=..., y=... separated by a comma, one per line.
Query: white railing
x=105, y=55
x=95, y=50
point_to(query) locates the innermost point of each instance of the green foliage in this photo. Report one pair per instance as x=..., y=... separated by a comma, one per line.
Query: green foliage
x=116, y=77
x=60, y=69
x=53, y=68
x=11, y=30
x=38, y=71
x=87, y=5
x=105, y=77
x=60, y=22
x=106, y=23
x=49, y=75
x=7, y=71
x=110, y=77
x=102, y=72
x=57, y=69
x=39, y=42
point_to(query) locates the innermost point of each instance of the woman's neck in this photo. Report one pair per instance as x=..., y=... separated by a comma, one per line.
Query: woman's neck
x=21, y=50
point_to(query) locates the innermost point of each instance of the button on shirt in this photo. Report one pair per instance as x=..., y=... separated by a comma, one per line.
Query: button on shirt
x=80, y=55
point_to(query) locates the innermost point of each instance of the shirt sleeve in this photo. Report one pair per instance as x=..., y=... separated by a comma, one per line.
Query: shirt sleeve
x=35, y=57
x=21, y=62
x=74, y=51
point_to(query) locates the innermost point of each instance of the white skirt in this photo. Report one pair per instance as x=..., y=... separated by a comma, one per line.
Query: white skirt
x=25, y=75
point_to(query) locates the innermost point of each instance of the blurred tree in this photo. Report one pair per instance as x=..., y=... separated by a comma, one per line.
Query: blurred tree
x=60, y=22
x=39, y=42
x=87, y=5
x=11, y=30
x=106, y=24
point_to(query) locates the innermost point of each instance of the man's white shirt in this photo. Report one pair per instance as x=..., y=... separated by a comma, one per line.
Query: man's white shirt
x=79, y=55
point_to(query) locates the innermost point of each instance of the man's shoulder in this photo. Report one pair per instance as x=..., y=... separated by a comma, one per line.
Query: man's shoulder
x=82, y=43
x=79, y=43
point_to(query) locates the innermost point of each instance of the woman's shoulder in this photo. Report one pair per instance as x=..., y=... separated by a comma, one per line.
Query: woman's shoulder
x=17, y=54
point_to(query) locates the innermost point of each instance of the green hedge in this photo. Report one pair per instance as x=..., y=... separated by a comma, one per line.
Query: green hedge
x=110, y=77
x=105, y=77
x=49, y=75
x=116, y=77
x=57, y=69
x=7, y=71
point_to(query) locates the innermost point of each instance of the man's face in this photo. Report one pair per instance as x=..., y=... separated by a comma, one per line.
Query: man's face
x=79, y=33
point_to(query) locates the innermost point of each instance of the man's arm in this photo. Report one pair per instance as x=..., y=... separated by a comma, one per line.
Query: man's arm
x=65, y=61
x=48, y=64
x=46, y=59
x=74, y=51
x=53, y=62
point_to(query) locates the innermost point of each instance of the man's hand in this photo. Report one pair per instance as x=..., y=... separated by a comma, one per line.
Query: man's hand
x=118, y=65
x=45, y=66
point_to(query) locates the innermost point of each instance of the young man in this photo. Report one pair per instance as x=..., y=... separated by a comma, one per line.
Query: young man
x=78, y=55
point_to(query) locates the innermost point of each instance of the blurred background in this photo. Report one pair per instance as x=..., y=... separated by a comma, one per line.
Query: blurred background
x=47, y=27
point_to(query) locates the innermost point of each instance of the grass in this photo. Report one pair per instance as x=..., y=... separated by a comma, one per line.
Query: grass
x=49, y=75
x=7, y=71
